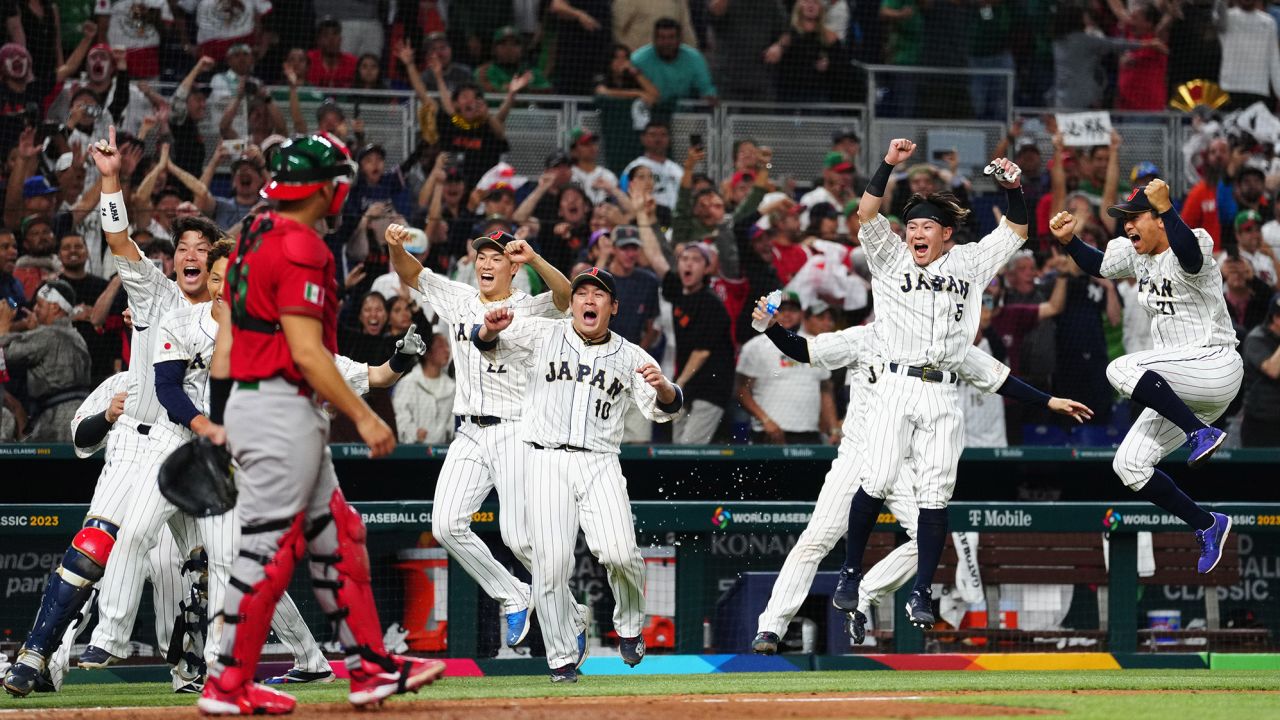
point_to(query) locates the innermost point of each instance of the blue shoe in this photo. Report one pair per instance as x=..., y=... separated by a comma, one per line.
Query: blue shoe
x=298, y=675
x=765, y=643
x=631, y=650
x=846, y=595
x=517, y=627
x=24, y=674
x=1212, y=541
x=1204, y=443
x=582, y=648
x=920, y=609
x=95, y=657
x=566, y=674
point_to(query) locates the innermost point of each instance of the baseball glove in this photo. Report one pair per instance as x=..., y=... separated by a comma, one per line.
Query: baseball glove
x=198, y=479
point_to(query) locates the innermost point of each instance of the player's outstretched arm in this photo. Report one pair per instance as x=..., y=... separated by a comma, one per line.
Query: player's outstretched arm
x=792, y=345
x=899, y=151
x=1181, y=240
x=408, y=349
x=1009, y=176
x=485, y=335
x=405, y=265
x=1063, y=227
x=1021, y=391
x=305, y=338
x=115, y=219
x=521, y=252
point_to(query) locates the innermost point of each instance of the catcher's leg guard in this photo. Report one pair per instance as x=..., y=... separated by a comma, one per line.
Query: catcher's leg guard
x=259, y=577
x=339, y=564
x=71, y=584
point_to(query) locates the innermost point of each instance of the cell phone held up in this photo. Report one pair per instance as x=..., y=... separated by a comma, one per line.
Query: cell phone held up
x=695, y=141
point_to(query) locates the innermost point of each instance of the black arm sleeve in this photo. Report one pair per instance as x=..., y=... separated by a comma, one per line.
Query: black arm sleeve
x=1182, y=241
x=880, y=180
x=219, y=391
x=794, y=346
x=169, y=392
x=1017, y=212
x=484, y=345
x=675, y=405
x=1088, y=258
x=120, y=99
x=91, y=430
x=1018, y=390
x=401, y=362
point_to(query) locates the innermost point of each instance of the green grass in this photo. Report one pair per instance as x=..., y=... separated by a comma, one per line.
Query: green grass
x=1177, y=688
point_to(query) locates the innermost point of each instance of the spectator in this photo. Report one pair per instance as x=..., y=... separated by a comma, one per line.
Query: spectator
x=1250, y=70
x=701, y=216
x=507, y=63
x=624, y=81
x=247, y=178
x=236, y=80
x=991, y=25
x=703, y=344
x=790, y=403
x=17, y=92
x=748, y=34
x=467, y=128
x=569, y=231
x=449, y=220
x=1079, y=47
x=190, y=107
x=136, y=26
x=1261, y=392
x=906, y=47
x=804, y=55
x=328, y=65
x=368, y=74
x=762, y=279
x=543, y=198
x=56, y=360
x=1246, y=295
x=1080, y=368
x=633, y=21
x=362, y=32
x=36, y=25
x=374, y=184
x=584, y=38
x=1252, y=250
x=1141, y=82
x=39, y=259
x=11, y=289
x=424, y=400
x=221, y=24
x=836, y=188
x=667, y=175
x=584, y=149
x=1200, y=208
x=104, y=348
x=454, y=73
x=637, y=310
x=678, y=71
x=1093, y=176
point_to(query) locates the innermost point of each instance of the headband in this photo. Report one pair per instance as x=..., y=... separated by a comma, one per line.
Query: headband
x=50, y=295
x=928, y=211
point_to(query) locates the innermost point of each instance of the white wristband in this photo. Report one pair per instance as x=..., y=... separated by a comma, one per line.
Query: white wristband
x=114, y=216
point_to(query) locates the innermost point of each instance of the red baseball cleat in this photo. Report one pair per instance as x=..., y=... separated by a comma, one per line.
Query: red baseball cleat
x=371, y=683
x=248, y=699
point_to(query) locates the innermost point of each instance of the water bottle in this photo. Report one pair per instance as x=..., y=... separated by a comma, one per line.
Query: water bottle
x=771, y=304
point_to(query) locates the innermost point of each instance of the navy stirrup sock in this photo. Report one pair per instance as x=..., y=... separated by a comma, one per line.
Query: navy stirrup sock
x=1154, y=392
x=931, y=536
x=1162, y=492
x=863, y=512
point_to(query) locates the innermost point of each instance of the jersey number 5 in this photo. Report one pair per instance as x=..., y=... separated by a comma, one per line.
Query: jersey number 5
x=959, y=312
x=602, y=409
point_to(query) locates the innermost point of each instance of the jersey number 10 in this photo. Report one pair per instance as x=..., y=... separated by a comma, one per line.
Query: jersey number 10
x=602, y=409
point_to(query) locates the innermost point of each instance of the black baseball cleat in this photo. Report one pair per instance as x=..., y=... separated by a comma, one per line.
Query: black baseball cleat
x=858, y=627
x=631, y=650
x=846, y=595
x=766, y=643
x=920, y=610
x=566, y=674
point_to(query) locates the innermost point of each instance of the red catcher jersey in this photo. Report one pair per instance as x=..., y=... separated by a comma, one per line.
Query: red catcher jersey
x=287, y=270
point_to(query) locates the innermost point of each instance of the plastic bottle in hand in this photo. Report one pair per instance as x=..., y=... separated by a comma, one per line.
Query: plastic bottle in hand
x=771, y=304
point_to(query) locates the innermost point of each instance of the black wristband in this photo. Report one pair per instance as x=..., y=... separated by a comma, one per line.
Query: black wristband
x=92, y=430
x=880, y=180
x=401, y=362
x=1017, y=212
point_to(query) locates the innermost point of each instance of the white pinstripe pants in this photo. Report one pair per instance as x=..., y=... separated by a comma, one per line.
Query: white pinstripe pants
x=480, y=460
x=909, y=417
x=1206, y=379
x=587, y=489
x=829, y=523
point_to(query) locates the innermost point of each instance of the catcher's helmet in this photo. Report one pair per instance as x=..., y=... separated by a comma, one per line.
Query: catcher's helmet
x=302, y=165
x=198, y=479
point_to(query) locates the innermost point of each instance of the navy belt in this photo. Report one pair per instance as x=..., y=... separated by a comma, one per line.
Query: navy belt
x=480, y=420
x=926, y=374
x=566, y=448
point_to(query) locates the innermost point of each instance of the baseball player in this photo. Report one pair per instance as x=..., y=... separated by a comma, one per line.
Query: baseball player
x=486, y=453
x=1193, y=372
x=45, y=655
x=851, y=348
x=282, y=294
x=582, y=379
x=928, y=301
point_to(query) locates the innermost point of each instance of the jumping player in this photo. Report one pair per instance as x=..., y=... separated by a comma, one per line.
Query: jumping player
x=582, y=381
x=1192, y=374
x=927, y=306
x=849, y=348
x=282, y=293
x=489, y=400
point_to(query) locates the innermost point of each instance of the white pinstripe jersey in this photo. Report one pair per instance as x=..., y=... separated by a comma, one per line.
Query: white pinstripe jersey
x=151, y=295
x=97, y=402
x=1186, y=309
x=578, y=393
x=485, y=383
x=355, y=373
x=855, y=348
x=929, y=315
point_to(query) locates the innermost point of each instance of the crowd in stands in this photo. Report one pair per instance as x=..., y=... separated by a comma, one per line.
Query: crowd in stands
x=690, y=255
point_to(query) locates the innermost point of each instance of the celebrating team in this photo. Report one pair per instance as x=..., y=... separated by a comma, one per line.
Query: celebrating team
x=540, y=406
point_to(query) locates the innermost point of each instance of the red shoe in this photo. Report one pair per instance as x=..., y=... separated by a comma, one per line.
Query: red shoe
x=371, y=683
x=248, y=699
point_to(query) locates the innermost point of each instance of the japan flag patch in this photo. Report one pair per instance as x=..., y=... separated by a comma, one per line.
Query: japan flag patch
x=313, y=293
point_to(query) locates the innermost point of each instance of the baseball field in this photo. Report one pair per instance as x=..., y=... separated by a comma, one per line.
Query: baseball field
x=1118, y=694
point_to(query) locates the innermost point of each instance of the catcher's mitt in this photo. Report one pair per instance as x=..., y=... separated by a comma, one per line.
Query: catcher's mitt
x=198, y=479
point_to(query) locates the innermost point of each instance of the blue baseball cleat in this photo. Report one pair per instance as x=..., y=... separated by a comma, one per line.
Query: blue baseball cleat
x=95, y=657
x=631, y=650
x=845, y=596
x=582, y=648
x=517, y=627
x=1204, y=443
x=1212, y=541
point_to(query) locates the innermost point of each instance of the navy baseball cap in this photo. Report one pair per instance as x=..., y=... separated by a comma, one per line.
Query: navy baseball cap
x=1135, y=204
x=36, y=186
x=602, y=279
x=497, y=239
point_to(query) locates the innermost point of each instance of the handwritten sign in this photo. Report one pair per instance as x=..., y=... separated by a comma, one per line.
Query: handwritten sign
x=1085, y=129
